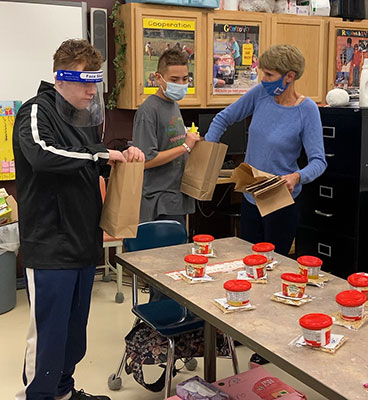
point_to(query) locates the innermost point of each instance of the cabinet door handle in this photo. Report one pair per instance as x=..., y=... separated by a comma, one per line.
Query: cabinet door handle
x=328, y=215
x=324, y=249
x=329, y=154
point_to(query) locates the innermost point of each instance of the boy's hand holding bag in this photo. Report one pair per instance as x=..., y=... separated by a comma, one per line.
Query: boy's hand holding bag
x=121, y=209
x=202, y=169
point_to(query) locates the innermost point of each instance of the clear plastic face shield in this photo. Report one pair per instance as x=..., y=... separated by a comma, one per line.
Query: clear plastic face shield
x=79, y=97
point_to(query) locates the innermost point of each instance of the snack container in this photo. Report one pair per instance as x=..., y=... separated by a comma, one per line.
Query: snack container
x=310, y=266
x=195, y=265
x=264, y=249
x=316, y=329
x=293, y=285
x=351, y=304
x=203, y=244
x=359, y=281
x=255, y=265
x=237, y=292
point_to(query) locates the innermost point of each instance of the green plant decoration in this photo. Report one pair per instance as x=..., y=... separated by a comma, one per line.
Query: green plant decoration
x=119, y=59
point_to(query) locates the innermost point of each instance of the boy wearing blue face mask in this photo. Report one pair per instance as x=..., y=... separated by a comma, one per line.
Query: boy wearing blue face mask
x=283, y=122
x=159, y=129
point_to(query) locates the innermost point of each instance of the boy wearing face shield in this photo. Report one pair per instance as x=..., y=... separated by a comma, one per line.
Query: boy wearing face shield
x=160, y=132
x=59, y=157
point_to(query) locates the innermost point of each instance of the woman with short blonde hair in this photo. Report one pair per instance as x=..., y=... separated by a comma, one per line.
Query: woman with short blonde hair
x=283, y=123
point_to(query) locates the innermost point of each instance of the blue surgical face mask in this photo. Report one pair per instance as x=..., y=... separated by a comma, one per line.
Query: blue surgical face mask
x=275, y=88
x=175, y=91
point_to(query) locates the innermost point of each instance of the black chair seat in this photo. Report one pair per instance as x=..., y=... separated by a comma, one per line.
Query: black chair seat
x=167, y=317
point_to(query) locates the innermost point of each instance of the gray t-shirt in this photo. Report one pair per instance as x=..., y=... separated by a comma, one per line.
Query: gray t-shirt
x=158, y=126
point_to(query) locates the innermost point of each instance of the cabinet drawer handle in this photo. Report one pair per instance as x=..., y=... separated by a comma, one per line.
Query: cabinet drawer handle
x=324, y=249
x=328, y=132
x=323, y=214
x=329, y=154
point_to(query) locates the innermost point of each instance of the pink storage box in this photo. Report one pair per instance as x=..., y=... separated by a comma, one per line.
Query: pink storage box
x=256, y=384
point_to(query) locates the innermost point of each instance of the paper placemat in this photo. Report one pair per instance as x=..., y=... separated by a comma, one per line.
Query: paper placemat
x=192, y=280
x=226, y=266
x=280, y=298
x=336, y=342
x=355, y=325
x=319, y=282
x=226, y=308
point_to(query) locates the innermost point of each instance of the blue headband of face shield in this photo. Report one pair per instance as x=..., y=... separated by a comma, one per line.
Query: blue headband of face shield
x=79, y=76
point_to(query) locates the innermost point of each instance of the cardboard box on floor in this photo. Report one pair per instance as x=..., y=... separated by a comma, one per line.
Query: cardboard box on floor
x=12, y=204
x=257, y=384
x=269, y=191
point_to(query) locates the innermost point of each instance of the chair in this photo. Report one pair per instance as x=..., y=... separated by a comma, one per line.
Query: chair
x=176, y=319
x=108, y=242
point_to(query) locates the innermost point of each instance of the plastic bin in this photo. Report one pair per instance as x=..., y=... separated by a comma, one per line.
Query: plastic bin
x=189, y=3
x=7, y=281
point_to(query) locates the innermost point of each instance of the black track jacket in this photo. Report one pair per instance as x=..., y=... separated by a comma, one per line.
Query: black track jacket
x=57, y=180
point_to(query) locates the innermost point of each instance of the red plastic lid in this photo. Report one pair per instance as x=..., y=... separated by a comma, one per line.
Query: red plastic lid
x=203, y=238
x=255, y=259
x=297, y=278
x=196, y=259
x=351, y=298
x=310, y=261
x=237, y=285
x=359, y=279
x=315, y=321
x=263, y=247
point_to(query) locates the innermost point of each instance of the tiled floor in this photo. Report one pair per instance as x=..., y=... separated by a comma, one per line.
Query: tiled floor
x=109, y=323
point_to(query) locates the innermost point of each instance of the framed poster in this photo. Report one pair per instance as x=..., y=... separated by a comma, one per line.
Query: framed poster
x=160, y=34
x=8, y=111
x=235, y=58
x=351, y=50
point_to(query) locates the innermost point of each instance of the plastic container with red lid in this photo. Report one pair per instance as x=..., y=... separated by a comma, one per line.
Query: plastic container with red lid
x=195, y=265
x=359, y=281
x=351, y=304
x=293, y=285
x=316, y=329
x=264, y=249
x=237, y=292
x=255, y=265
x=310, y=266
x=203, y=244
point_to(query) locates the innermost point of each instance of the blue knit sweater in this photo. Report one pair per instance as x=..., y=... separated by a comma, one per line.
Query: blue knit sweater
x=277, y=135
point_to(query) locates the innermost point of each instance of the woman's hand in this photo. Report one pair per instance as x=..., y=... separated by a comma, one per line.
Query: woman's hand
x=291, y=180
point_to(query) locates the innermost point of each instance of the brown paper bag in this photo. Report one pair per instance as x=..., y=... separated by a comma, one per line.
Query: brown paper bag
x=269, y=191
x=121, y=209
x=202, y=169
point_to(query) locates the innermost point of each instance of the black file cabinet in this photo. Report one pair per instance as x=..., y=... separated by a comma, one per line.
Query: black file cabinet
x=334, y=212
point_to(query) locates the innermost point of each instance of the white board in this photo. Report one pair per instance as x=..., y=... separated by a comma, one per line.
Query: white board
x=30, y=33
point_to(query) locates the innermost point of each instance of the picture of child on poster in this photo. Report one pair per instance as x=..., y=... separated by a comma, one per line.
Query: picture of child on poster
x=351, y=50
x=160, y=35
x=235, y=58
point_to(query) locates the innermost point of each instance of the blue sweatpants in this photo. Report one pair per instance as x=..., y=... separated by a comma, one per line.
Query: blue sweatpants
x=59, y=307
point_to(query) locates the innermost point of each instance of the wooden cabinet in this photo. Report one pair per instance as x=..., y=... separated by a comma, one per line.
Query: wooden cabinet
x=221, y=27
x=148, y=29
x=334, y=207
x=309, y=35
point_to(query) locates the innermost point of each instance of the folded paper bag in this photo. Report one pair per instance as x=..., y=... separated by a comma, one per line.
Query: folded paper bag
x=269, y=191
x=202, y=169
x=121, y=209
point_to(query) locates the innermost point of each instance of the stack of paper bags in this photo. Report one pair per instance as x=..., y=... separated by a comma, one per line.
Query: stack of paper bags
x=269, y=191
